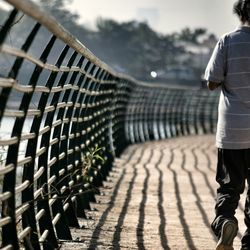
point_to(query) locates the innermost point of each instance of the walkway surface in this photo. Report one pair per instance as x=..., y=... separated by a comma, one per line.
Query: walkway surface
x=160, y=195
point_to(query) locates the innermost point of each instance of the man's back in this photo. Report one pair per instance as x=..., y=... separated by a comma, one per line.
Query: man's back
x=237, y=53
x=230, y=64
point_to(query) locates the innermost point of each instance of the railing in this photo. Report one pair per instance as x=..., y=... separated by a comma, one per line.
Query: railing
x=157, y=112
x=64, y=116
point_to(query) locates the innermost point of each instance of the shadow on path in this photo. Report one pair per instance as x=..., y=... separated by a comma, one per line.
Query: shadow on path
x=140, y=225
x=181, y=211
x=96, y=233
x=162, y=226
x=118, y=227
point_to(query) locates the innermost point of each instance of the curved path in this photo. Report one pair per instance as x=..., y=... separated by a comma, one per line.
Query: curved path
x=160, y=195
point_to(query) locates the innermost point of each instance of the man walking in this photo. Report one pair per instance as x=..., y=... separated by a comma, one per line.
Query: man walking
x=229, y=67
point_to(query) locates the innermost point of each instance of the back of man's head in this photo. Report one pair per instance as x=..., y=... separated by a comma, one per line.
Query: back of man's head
x=242, y=9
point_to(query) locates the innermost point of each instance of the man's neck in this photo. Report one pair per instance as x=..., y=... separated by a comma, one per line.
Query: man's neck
x=246, y=23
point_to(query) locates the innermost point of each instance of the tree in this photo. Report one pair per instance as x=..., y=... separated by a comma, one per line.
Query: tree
x=135, y=47
x=57, y=8
x=131, y=47
x=192, y=36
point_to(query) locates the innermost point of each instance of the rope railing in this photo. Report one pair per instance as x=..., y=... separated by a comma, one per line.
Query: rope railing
x=53, y=116
x=157, y=112
x=64, y=116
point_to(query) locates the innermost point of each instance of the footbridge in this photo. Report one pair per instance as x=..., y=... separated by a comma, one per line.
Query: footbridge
x=94, y=159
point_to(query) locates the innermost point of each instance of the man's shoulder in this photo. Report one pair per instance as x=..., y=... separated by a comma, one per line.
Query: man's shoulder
x=230, y=36
x=234, y=34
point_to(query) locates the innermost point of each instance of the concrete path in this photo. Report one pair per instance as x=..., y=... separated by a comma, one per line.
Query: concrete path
x=160, y=195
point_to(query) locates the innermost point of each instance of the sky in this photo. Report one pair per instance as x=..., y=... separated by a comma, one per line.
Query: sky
x=164, y=16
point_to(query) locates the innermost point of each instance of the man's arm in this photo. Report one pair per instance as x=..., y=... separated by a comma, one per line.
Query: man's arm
x=213, y=85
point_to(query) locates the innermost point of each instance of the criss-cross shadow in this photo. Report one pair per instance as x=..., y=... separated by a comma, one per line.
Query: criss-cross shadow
x=198, y=201
x=97, y=231
x=162, y=226
x=118, y=227
x=180, y=207
x=141, y=221
x=203, y=173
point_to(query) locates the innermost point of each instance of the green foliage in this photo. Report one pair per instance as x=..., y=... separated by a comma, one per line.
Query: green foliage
x=90, y=160
x=191, y=36
x=135, y=47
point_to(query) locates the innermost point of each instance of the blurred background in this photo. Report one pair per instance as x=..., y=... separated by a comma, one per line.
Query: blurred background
x=162, y=41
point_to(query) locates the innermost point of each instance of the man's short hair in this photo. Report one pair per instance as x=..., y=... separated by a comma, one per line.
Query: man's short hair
x=242, y=9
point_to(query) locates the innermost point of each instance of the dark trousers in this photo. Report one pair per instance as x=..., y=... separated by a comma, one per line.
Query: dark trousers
x=233, y=169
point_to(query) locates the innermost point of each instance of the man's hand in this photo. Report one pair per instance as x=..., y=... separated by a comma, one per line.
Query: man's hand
x=213, y=85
